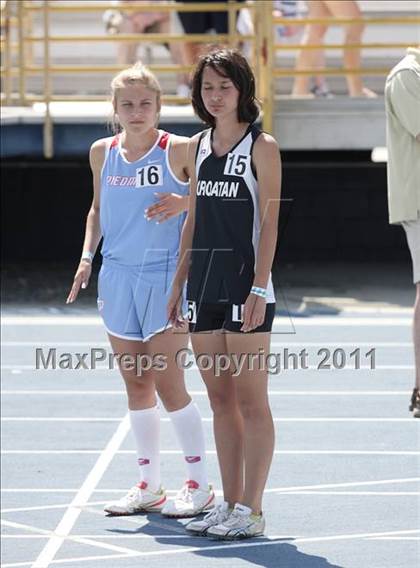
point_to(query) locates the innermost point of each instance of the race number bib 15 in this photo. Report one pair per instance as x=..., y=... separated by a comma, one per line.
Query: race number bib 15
x=236, y=164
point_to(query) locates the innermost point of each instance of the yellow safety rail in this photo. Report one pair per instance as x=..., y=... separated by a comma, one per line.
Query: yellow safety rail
x=264, y=48
x=23, y=68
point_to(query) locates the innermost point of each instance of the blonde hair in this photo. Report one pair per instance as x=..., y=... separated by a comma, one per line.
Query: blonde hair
x=137, y=74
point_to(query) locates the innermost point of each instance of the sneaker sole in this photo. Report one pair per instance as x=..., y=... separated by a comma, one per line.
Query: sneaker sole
x=197, y=533
x=205, y=509
x=227, y=537
x=154, y=508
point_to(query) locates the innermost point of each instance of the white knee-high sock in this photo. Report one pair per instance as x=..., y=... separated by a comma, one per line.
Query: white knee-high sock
x=189, y=430
x=145, y=425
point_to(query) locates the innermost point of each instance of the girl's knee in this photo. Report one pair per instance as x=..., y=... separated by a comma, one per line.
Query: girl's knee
x=252, y=412
x=222, y=402
x=139, y=388
x=173, y=398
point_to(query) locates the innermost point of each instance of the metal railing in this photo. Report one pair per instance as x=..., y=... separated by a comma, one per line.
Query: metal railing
x=22, y=68
x=17, y=68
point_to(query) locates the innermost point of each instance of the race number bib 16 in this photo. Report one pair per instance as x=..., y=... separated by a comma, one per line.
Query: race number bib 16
x=151, y=175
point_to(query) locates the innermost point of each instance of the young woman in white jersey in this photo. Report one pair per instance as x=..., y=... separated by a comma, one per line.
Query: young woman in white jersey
x=141, y=175
x=227, y=250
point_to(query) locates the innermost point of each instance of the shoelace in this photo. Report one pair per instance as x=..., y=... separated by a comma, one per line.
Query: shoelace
x=185, y=494
x=234, y=519
x=215, y=514
x=132, y=494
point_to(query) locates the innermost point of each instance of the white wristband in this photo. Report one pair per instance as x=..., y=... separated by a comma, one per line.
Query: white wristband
x=262, y=292
x=87, y=255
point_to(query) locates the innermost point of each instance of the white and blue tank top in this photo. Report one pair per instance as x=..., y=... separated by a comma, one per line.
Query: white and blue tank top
x=127, y=189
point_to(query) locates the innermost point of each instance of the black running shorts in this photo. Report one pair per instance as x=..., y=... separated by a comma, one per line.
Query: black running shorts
x=202, y=22
x=211, y=317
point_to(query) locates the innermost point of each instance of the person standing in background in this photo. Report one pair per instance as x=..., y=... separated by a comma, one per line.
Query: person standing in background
x=402, y=99
x=315, y=33
x=121, y=22
x=201, y=23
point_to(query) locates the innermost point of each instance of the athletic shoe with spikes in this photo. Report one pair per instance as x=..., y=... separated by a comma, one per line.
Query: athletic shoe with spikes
x=138, y=500
x=218, y=515
x=241, y=523
x=190, y=501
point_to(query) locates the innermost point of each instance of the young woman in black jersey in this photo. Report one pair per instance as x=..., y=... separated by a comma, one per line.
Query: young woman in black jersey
x=227, y=250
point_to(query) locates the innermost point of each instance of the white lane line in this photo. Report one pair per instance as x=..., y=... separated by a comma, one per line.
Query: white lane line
x=354, y=536
x=71, y=515
x=355, y=343
x=219, y=493
x=43, y=490
x=204, y=419
x=261, y=541
x=47, y=507
x=394, y=538
x=25, y=367
x=93, y=343
x=333, y=321
x=213, y=452
x=357, y=493
x=204, y=393
x=165, y=536
x=34, y=343
x=289, y=322
x=105, y=536
x=272, y=490
x=346, y=484
x=74, y=538
x=397, y=480
x=62, y=320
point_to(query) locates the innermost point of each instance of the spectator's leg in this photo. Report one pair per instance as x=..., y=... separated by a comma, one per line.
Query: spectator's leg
x=311, y=58
x=353, y=34
x=127, y=50
x=191, y=52
x=193, y=23
x=177, y=54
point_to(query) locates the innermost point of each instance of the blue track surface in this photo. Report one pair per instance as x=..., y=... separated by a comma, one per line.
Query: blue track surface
x=344, y=484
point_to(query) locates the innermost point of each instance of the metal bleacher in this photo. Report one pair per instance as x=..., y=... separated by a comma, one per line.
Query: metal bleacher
x=297, y=123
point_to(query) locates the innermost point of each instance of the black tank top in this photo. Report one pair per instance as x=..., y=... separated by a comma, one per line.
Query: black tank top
x=227, y=223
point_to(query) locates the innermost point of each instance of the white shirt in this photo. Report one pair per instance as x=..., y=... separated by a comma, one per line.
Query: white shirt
x=402, y=100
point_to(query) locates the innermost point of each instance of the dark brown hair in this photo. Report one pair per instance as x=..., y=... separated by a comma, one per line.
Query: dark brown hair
x=232, y=64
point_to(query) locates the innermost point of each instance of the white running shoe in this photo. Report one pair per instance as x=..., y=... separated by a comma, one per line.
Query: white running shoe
x=242, y=523
x=138, y=500
x=190, y=501
x=217, y=516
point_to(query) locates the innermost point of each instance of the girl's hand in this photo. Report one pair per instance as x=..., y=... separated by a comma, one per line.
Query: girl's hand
x=169, y=205
x=81, y=280
x=174, y=308
x=254, y=312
